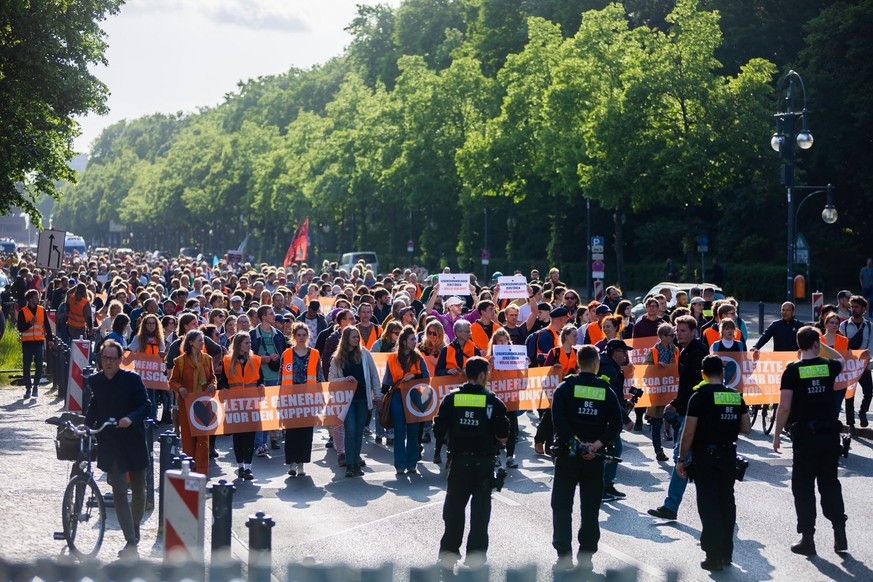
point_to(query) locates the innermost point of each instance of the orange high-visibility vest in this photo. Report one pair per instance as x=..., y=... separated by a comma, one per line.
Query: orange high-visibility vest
x=480, y=337
x=36, y=332
x=468, y=351
x=595, y=333
x=375, y=334
x=76, y=313
x=557, y=337
x=151, y=347
x=841, y=342
x=238, y=377
x=567, y=361
x=311, y=366
x=396, y=369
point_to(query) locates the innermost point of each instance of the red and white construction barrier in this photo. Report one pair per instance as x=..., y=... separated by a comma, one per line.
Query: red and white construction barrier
x=598, y=289
x=80, y=354
x=184, y=512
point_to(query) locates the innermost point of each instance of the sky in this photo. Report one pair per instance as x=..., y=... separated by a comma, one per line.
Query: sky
x=167, y=56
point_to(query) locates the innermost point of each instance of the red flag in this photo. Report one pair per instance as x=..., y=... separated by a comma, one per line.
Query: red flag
x=299, y=245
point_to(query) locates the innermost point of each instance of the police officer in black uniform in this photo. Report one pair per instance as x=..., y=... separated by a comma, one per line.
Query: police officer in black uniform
x=473, y=420
x=807, y=401
x=586, y=415
x=716, y=415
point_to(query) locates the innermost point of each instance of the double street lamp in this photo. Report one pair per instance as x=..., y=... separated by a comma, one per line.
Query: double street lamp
x=792, y=126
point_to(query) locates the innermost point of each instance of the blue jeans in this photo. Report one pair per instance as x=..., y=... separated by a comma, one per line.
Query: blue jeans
x=405, y=435
x=609, y=469
x=356, y=418
x=676, y=490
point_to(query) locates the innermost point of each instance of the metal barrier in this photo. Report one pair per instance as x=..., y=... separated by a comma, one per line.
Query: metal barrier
x=51, y=571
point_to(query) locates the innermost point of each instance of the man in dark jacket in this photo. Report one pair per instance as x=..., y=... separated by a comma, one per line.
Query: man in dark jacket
x=783, y=331
x=690, y=364
x=611, y=362
x=121, y=395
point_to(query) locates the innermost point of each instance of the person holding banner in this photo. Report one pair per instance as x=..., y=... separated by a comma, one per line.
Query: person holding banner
x=716, y=416
x=192, y=376
x=150, y=340
x=586, y=417
x=473, y=421
x=859, y=330
x=482, y=329
x=662, y=354
x=351, y=361
x=300, y=365
x=243, y=370
x=806, y=397
x=501, y=338
x=403, y=365
x=563, y=357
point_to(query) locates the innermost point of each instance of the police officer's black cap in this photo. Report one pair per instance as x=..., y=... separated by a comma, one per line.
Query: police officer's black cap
x=559, y=312
x=544, y=307
x=617, y=344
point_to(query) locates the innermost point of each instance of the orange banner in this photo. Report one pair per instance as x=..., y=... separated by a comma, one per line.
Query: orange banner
x=758, y=380
x=271, y=408
x=150, y=367
x=327, y=304
x=518, y=389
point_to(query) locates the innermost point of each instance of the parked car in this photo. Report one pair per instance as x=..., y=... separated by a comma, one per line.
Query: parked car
x=639, y=307
x=349, y=260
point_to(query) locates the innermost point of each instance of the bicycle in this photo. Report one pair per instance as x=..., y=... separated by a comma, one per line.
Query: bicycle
x=768, y=417
x=83, y=510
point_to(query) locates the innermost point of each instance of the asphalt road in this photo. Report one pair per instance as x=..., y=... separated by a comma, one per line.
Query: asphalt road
x=380, y=517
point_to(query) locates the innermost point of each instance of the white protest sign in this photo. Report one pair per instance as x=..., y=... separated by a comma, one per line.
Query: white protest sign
x=509, y=357
x=452, y=284
x=514, y=287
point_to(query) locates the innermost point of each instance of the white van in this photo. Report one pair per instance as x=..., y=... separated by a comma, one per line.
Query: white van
x=74, y=243
x=349, y=260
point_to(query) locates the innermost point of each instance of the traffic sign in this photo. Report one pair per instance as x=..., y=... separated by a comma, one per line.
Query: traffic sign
x=597, y=243
x=50, y=249
x=702, y=248
x=410, y=246
x=598, y=275
x=597, y=256
x=486, y=256
x=598, y=266
x=801, y=249
x=703, y=240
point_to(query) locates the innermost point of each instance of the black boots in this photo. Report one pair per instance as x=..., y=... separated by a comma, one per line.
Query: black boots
x=841, y=544
x=806, y=545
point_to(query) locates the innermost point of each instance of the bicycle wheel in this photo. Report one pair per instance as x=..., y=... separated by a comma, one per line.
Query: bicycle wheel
x=84, y=517
x=753, y=412
x=770, y=419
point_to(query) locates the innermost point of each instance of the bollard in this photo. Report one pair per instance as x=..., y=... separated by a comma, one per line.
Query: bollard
x=225, y=570
x=184, y=508
x=170, y=447
x=63, y=369
x=86, y=387
x=426, y=574
x=79, y=362
x=150, y=470
x=260, y=545
x=222, y=518
x=524, y=574
x=381, y=574
x=760, y=318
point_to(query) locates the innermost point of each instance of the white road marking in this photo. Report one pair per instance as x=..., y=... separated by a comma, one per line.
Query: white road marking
x=439, y=501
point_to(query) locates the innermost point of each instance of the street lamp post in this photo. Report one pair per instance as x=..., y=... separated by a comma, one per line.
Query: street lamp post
x=787, y=134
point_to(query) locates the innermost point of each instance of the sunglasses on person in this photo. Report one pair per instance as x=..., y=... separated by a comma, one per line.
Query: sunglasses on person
x=432, y=332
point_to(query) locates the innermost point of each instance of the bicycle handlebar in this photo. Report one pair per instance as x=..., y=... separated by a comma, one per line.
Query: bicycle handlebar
x=81, y=432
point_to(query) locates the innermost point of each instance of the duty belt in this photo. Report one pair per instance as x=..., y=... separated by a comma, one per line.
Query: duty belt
x=715, y=449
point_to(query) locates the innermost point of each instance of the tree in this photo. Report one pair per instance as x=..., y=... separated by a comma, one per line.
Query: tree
x=46, y=47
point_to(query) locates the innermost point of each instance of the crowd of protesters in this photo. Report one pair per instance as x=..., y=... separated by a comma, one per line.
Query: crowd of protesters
x=225, y=325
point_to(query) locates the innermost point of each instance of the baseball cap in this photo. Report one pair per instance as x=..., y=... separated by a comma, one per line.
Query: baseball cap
x=495, y=275
x=697, y=300
x=453, y=301
x=602, y=310
x=236, y=298
x=617, y=344
x=844, y=293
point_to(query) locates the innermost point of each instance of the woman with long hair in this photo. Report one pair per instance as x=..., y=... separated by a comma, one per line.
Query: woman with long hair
x=432, y=342
x=661, y=354
x=192, y=376
x=388, y=342
x=353, y=362
x=501, y=337
x=303, y=364
x=625, y=310
x=243, y=370
x=150, y=340
x=403, y=365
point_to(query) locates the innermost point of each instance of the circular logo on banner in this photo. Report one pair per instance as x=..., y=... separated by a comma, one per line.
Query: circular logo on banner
x=421, y=400
x=732, y=374
x=205, y=413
